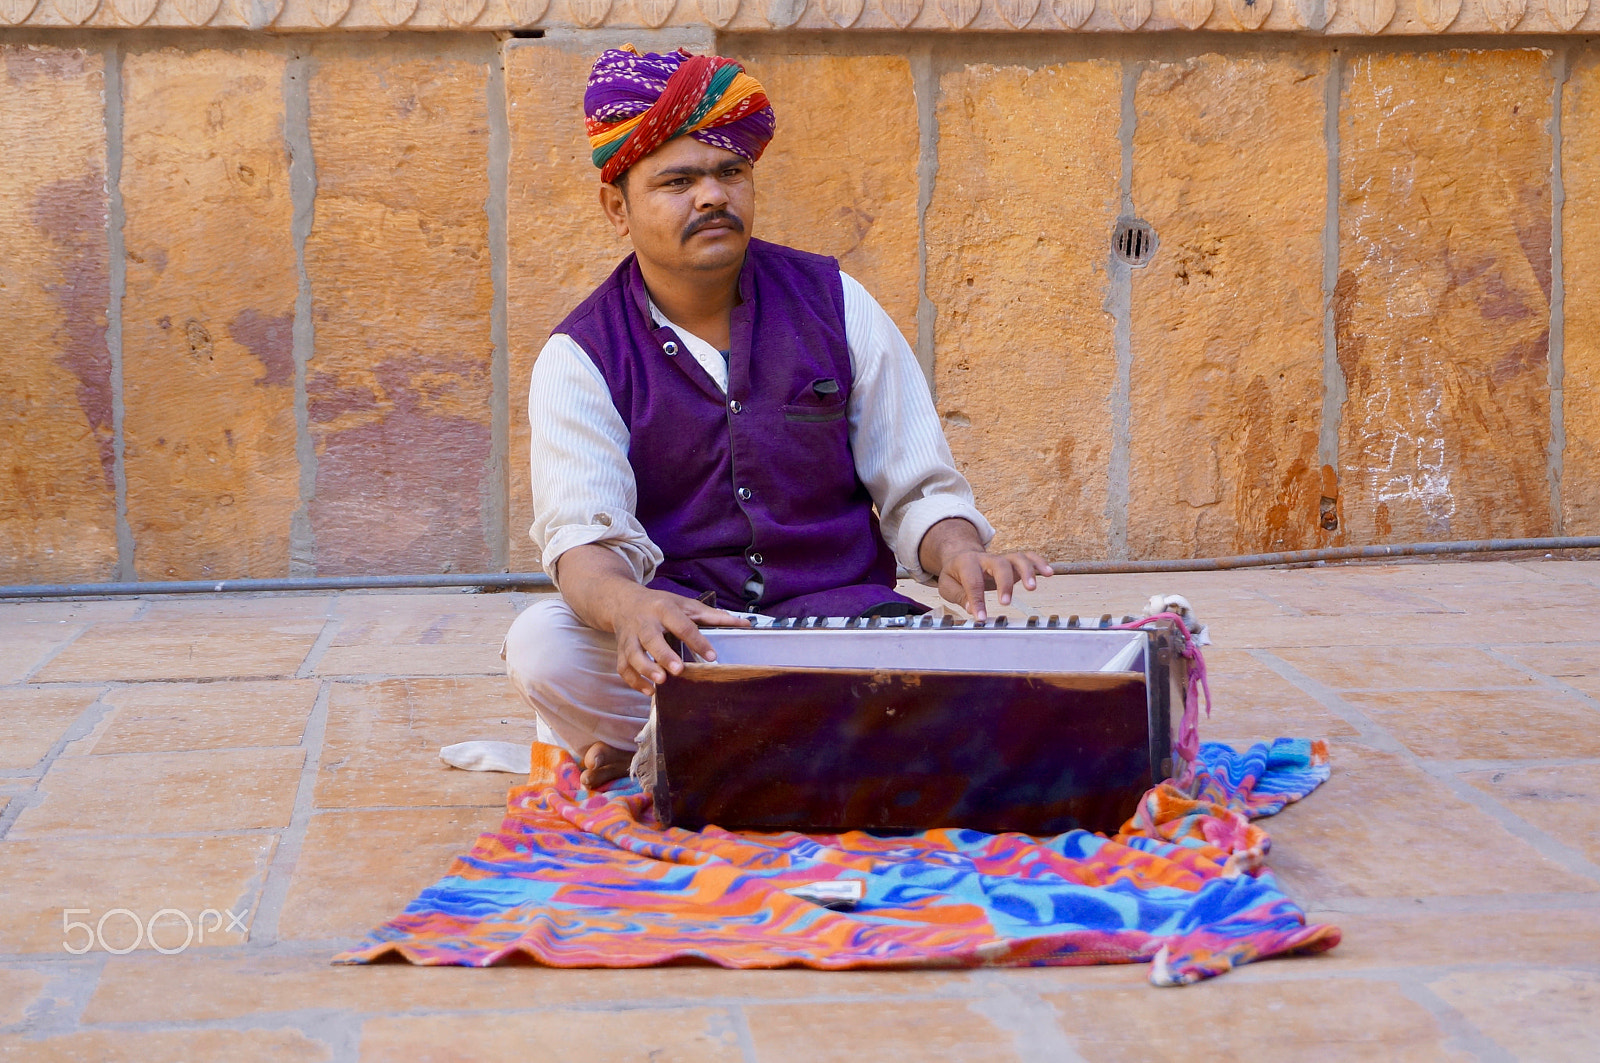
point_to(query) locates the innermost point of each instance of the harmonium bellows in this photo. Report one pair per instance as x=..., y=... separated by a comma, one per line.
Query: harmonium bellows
x=910, y=723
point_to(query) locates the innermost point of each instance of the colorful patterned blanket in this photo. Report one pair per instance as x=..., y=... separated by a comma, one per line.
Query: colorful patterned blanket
x=580, y=879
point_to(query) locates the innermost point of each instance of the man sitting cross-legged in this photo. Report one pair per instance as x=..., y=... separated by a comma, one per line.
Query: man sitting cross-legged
x=724, y=426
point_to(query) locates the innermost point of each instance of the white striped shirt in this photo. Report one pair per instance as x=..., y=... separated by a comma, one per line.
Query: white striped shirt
x=584, y=489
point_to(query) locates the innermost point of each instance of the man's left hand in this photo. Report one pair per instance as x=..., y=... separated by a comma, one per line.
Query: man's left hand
x=967, y=571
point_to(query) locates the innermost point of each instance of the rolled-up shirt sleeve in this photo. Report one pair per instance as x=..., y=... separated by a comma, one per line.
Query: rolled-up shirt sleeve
x=900, y=450
x=583, y=485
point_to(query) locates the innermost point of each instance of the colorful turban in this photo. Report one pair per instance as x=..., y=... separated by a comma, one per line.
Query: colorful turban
x=636, y=103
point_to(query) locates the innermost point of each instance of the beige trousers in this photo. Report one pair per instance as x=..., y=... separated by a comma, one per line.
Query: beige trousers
x=566, y=672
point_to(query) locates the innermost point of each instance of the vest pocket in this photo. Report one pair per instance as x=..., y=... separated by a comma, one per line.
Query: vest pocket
x=814, y=413
x=821, y=400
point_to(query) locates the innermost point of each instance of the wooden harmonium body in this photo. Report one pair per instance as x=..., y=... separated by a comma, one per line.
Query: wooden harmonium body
x=909, y=723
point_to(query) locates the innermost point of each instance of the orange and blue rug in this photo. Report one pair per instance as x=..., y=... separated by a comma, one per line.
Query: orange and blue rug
x=580, y=879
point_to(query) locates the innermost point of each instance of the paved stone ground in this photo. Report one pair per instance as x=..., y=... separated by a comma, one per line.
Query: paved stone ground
x=274, y=759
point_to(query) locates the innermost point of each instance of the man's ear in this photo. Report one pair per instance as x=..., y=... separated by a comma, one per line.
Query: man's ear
x=615, y=205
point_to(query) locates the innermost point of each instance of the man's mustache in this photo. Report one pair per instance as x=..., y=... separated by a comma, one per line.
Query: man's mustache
x=718, y=218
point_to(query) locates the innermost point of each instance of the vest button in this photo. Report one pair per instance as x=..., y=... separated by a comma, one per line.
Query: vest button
x=670, y=347
x=744, y=494
x=736, y=406
x=756, y=558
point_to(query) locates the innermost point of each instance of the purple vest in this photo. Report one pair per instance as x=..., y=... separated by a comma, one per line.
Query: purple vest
x=762, y=479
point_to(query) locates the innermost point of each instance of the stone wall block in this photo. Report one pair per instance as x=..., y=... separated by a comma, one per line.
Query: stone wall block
x=1230, y=169
x=398, y=260
x=1018, y=233
x=1442, y=304
x=1580, y=268
x=57, y=468
x=208, y=315
x=840, y=177
x=560, y=246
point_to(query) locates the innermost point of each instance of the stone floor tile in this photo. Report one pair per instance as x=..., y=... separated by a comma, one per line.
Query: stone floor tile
x=163, y=793
x=383, y=741
x=167, y=1046
x=357, y=869
x=1405, y=667
x=1345, y=598
x=1250, y=703
x=1540, y=1016
x=136, y=650
x=419, y=634
x=1317, y=1019
x=24, y=646
x=226, y=607
x=40, y=878
x=168, y=717
x=227, y=984
x=1382, y=828
x=1443, y=938
x=881, y=1030
x=32, y=721
x=1576, y=664
x=18, y=991
x=1486, y=725
x=1562, y=802
x=70, y=612
x=1534, y=597
x=664, y=1035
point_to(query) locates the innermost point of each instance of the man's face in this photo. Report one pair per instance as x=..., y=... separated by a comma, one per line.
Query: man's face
x=689, y=206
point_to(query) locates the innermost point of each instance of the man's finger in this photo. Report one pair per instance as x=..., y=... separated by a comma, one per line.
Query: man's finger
x=1004, y=574
x=645, y=672
x=708, y=616
x=682, y=624
x=1040, y=565
x=973, y=580
x=655, y=644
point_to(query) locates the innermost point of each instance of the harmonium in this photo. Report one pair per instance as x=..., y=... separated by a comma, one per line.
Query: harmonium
x=898, y=724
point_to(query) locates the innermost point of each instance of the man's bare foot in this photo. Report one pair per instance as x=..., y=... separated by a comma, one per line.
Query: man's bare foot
x=602, y=764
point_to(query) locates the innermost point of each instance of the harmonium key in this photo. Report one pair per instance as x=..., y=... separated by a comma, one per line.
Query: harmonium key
x=824, y=724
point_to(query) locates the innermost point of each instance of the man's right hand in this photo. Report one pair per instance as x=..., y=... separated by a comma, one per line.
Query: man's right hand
x=601, y=589
x=643, y=656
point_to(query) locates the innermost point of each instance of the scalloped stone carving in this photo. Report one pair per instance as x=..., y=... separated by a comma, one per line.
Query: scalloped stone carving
x=1313, y=14
x=196, y=12
x=843, y=13
x=781, y=14
x=1072, y=13
x=1017, y=13
x=589, y=13
x=1566, y=13
x=14, y=11
x=1250, y=14
x=719, y=12
x=463, y=12
x=1504, y=15
x=1191, y=13
x=1438, y=14
x=137, y=12
x=329, y=12
x=77, y=12
x=958, y=14
x=256, y=14
x=396, y=12
x=527, y=12
x=902, y=12
x=654, y=13
x=1131, y=14
x=1372, y=15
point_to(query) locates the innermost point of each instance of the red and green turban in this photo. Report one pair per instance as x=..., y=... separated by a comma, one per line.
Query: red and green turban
x=636, y=103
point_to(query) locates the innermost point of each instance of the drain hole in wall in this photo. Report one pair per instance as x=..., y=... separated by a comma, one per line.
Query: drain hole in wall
x=1133, y=242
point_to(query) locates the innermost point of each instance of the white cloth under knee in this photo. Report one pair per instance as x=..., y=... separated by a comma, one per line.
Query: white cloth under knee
x=566, y=672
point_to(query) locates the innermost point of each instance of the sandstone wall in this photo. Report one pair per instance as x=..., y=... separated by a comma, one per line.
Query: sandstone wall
x=269, y=303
